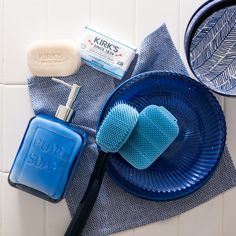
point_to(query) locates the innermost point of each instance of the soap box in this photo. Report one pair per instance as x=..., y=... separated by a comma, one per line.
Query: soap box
x=105, y=54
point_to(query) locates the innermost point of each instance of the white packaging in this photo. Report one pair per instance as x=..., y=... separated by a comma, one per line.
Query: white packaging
x=105, y=54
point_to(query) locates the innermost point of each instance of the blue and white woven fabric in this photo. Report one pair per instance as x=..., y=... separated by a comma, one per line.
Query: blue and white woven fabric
x=115, y=209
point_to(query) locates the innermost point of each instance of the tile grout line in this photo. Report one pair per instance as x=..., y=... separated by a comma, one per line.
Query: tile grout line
x=220, y=229
x=179, y=26
x=2, y=128
x=47, y=18
x=1, y=119
x=45, y=217
x=178, y=225
x=2, y=44
x=2, y=202
x=3, y=41
x=16, y=84
x=135, y=23
x=1, y=31
x=222, y=214
x=90, y=12
x=1, y=208
x=1, y=125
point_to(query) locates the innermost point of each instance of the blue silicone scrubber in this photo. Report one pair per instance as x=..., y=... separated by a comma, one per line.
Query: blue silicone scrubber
x=116, y=127
x=156, y=129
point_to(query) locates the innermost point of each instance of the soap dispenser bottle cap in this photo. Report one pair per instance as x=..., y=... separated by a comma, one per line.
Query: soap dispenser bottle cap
x=65, y=112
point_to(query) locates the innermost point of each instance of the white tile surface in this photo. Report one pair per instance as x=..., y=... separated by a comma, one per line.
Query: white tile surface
x=1, y=40
x=1, y=206
x=1, y=131
x=111, y=16
x=229, y=213
x=204, y=220
x=152, y=13
x=23, y=214
x=17, y=111
x=163, y=228
x=125, y=233
x=230, y=112
x=24, y=21
x=67, y=18
x=57, y=218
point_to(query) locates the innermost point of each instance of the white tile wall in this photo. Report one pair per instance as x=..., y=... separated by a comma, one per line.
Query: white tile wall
x=22, y=22
x=21, y=214
x=111, y=16
x=67, y=18
x=1, y=40
x=57, y=218
x=17, y=111
x=1, y=136
x=151, y=13
x=1, y=205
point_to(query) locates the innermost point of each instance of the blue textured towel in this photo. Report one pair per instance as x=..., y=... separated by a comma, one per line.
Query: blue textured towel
x=115, y=209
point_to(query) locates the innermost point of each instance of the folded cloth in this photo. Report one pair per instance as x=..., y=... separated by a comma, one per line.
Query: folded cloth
x=115, y=209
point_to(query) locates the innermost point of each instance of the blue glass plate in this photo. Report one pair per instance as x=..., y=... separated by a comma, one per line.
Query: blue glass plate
x=210, y=45
x=187, y=164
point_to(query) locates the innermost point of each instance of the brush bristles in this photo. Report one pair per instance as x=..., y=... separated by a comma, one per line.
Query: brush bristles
x=116, y=127
x=156, y=129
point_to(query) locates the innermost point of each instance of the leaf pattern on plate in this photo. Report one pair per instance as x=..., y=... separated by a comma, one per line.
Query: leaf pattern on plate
x=213, y=51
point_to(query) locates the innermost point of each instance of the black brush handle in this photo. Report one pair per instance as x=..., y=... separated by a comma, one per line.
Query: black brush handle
x=85, y=207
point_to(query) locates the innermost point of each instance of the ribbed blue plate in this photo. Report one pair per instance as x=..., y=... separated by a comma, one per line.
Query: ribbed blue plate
x=187, y=164
x=210, y=45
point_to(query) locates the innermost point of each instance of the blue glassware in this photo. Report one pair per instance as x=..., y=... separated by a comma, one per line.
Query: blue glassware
x=49, y=154
x=191, y=159
x=210, y=45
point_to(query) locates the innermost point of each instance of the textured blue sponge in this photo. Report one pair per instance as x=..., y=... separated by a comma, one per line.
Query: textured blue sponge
x=116, y=127
x=156, y=129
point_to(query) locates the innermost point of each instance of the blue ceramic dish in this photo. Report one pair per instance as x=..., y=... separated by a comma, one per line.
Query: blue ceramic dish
x=191, y=159
x=210, y=45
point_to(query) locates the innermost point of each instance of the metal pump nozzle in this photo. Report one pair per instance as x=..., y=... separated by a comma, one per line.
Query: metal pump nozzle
x=65, y=112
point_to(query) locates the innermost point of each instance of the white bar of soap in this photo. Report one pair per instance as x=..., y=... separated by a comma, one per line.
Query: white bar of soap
x=53, y=58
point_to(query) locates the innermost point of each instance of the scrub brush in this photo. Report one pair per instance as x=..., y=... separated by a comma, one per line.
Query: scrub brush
x=112, y=134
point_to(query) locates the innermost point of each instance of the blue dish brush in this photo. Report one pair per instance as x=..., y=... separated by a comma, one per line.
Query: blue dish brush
x=112, y=134
x=156, y=129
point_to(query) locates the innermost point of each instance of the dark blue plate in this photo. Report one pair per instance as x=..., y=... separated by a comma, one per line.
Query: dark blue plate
x=210, y=45
x=187, y=164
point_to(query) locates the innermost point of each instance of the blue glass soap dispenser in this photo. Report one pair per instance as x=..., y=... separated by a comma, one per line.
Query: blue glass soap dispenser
x=49, y=152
